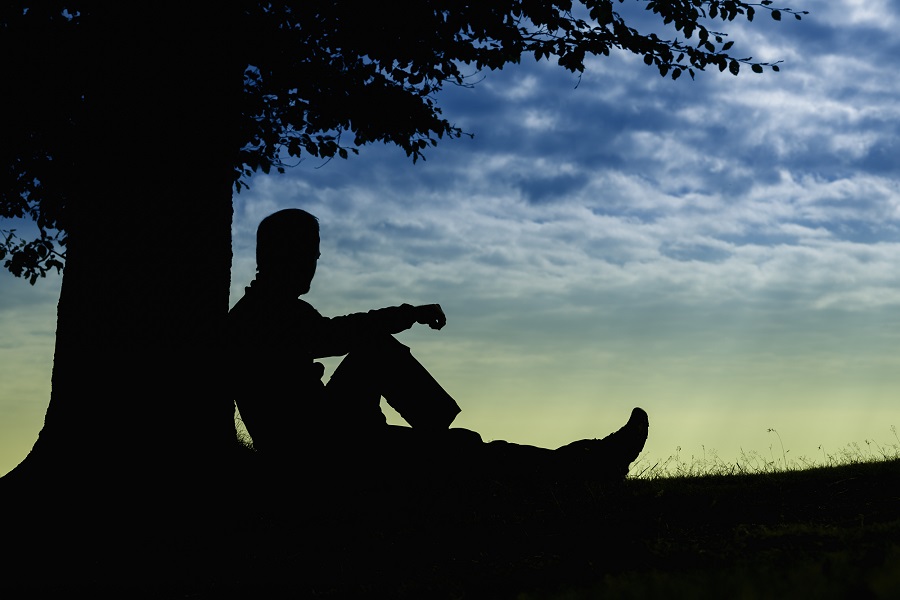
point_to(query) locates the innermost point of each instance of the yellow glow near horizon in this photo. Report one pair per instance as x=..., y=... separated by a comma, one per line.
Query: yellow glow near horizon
x=726, y=415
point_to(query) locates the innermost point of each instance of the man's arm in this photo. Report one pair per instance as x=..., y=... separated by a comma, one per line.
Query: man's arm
x=336, y=336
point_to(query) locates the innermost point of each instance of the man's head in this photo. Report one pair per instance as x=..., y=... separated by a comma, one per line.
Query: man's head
x=287, y=248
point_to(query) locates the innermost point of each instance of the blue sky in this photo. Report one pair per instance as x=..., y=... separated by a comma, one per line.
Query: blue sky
x=722, y=252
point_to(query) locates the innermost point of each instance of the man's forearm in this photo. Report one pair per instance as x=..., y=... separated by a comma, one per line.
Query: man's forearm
x=338, y=335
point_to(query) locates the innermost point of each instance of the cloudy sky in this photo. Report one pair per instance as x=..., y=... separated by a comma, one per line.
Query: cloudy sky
x=722, y=252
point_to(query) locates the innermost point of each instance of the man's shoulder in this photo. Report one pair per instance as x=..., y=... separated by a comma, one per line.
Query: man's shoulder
x=254, y=306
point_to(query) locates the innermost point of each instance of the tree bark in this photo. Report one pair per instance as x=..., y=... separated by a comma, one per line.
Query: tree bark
x=138, y=385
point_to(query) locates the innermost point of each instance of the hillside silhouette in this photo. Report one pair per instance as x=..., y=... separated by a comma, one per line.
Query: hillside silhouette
x=823, y=532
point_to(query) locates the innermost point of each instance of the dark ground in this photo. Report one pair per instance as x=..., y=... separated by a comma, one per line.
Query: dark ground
x=820, y=533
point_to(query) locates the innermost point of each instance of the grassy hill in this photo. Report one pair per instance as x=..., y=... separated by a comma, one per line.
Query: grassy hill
x=823, y=532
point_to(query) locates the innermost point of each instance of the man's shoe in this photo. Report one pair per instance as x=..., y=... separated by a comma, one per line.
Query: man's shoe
x=607, y=458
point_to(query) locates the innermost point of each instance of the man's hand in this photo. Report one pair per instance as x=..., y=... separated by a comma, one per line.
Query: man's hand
x=431, y=315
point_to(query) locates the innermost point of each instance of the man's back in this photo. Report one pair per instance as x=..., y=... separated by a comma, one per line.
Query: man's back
x=277, y=386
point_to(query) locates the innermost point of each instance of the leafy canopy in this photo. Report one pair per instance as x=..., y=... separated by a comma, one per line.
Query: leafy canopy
x=320, y=78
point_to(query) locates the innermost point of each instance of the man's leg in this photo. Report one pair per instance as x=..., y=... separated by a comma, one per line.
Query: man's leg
x=387, y=368
x=605, y=459
x=608, y=458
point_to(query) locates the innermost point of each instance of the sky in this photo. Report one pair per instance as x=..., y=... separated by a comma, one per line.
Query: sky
x=721, y=252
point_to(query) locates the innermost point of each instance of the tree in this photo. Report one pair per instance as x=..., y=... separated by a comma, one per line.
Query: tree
x=128, y=127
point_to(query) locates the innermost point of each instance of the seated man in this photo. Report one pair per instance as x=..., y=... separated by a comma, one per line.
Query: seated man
x=288, y=410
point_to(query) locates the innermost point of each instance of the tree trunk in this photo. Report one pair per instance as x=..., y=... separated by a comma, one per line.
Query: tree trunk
x=139, y=389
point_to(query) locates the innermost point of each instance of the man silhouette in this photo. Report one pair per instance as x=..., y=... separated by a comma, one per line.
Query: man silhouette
x=289, y=411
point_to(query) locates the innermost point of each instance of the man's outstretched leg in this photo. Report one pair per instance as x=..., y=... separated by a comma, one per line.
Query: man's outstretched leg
x=387, y=368
x=607, y=458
